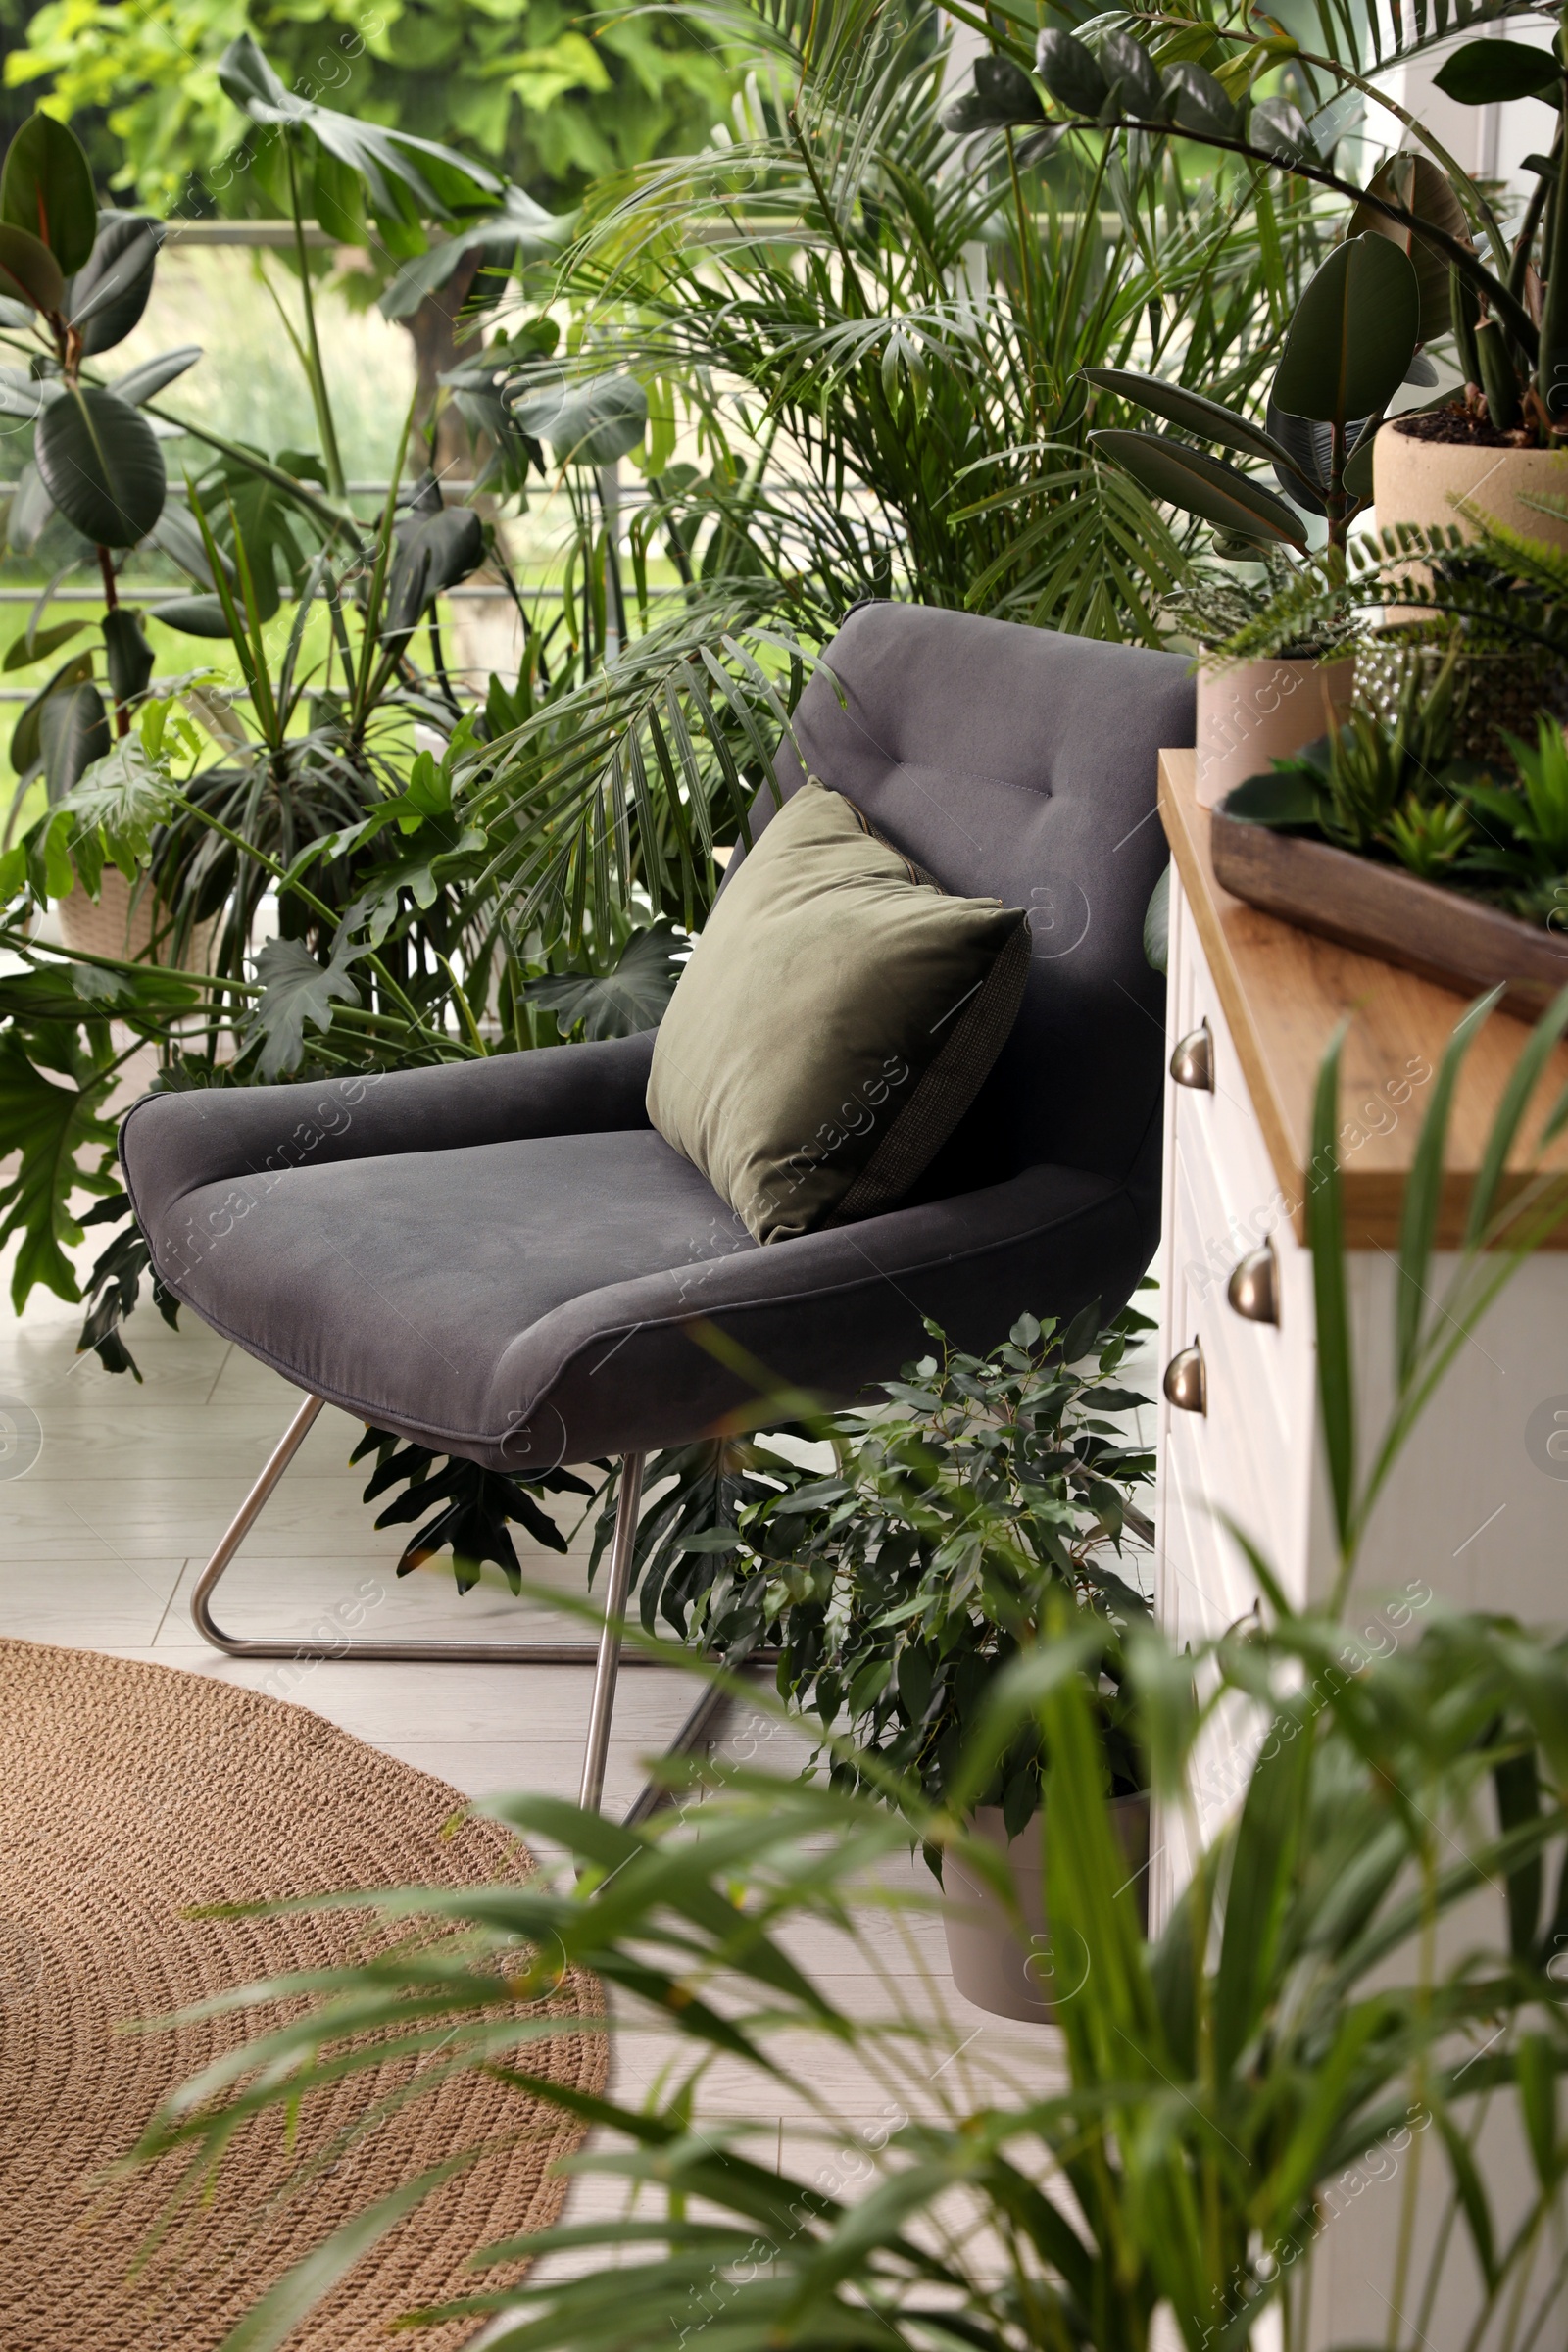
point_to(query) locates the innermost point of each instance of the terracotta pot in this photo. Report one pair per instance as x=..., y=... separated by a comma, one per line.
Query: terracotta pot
x=1255, y=712
x=991, y=1965
x=111, y=926
x=1418, y=482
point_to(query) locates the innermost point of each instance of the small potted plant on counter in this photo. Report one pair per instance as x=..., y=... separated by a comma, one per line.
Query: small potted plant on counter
x=1352, y=343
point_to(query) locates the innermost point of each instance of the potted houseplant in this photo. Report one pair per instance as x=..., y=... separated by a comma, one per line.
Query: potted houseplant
x=901, y=1582
x=1352, y=345
x=1500, y=444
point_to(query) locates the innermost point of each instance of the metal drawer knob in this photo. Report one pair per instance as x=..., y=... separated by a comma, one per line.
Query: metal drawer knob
x=1193, y=1062
x=1185, y=1381
x=1253, y=1289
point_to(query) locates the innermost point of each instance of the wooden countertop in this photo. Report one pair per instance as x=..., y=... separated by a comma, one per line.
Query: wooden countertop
x=1285, y=991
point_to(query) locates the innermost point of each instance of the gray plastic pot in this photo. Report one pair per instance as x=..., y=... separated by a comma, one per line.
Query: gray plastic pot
x=992, y=1966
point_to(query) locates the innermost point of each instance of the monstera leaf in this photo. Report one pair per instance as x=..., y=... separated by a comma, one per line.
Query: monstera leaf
x=591, y=423
x=434, y=552
x=408, y=179
x=48, y=1125
x=46, y=188
x=521, y=232
x=100, y=464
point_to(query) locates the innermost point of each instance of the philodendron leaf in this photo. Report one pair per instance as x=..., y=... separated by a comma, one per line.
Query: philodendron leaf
x=107, y=297
x=48, y=1125
x=46, y=188
x=1354, y=334
x=1496, y=73
x=1178, y=405
x=128, y=794
x=295, y=989
x=101, y=465
x=1002, y=96
x=1416, y=183
x=27, y=267
x=1287, y=798
x=1070, y=71
x=73, y=732
x=434, y=552
x=1203, y=486
x=586, y=425
x=633, y=997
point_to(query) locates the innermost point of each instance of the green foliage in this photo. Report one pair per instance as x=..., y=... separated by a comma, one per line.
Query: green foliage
x=466, y=1508
x=1298, y=2014
x=546, y=97
x=899, y=1585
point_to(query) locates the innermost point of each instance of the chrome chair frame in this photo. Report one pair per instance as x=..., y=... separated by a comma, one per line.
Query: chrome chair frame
x=604, y=1655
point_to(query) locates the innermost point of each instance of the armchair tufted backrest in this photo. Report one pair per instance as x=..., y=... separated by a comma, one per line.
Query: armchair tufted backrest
x=1016, y=764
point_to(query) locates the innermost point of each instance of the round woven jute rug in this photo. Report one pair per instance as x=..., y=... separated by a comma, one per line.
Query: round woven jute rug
x=129, y=1796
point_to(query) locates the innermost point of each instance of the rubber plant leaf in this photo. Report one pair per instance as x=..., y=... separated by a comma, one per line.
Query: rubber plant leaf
x=1354, y=334
x=25, y=747
x=1192, y=409
x=100, y=464
x=1203, y=486
x=46, y=188
x=27, y=267
x=145, y=382
x=73, y=732
x=191, y=615
x=107, y=297
x=1496, y=73
x=1416, y=183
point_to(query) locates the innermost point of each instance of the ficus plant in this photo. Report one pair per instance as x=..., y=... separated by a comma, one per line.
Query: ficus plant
x=1350, y=346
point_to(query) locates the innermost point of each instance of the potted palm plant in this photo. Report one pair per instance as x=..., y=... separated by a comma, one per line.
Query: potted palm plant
x=1352, y=345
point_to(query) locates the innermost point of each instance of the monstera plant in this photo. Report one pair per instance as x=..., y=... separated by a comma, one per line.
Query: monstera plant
x=1352, y=345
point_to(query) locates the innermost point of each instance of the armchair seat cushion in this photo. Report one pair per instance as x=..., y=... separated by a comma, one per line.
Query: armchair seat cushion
x=535, y=1297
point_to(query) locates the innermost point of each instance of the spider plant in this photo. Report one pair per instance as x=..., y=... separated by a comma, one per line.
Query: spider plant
x=1288, y=2033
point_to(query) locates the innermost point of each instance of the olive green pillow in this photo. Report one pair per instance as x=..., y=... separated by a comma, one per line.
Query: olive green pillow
x=834, y=1020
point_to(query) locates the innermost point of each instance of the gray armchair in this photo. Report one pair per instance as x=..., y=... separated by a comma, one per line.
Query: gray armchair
x=501, y=1259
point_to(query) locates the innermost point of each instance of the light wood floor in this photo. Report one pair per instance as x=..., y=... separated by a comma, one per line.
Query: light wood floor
x=100, y=1543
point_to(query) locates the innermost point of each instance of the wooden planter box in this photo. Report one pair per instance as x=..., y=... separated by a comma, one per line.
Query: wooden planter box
x=1445, y=935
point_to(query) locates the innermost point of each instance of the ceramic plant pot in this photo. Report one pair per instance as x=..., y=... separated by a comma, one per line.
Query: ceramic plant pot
x=1253, y=712
x=991, y=1965
x=1419, y=482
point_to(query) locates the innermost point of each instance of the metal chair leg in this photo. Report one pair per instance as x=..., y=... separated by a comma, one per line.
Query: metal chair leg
x=604, y=1655
x=607, y=1667
x=383, y=1653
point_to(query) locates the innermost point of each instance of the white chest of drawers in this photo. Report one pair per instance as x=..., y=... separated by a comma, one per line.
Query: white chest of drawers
x=1476, y=1509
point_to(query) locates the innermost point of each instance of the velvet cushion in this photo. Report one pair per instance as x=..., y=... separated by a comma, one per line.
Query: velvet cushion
x=837, y=1017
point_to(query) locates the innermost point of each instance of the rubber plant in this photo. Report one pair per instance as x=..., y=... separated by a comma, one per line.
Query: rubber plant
x=77, y=281
x=1160, y=77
